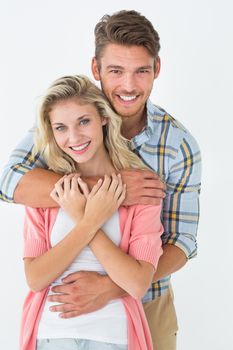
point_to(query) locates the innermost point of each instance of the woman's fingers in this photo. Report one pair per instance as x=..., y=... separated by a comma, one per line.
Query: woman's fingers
x=67, y=183
x=115, y=182
x=122, y=195
x=59, y=186
x=54, y=195
x=106, y=183
x=83, y=187
x=95, y=188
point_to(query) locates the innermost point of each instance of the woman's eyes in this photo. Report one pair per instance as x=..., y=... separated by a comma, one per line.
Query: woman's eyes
x=81, y=122
x=60, y=128
x=84, y=121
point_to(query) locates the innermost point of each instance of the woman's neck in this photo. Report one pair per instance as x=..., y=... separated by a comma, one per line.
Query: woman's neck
x=97, y=167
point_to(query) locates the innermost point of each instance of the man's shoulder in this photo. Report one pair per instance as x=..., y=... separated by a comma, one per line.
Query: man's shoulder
x=163, y=122
x=157, y=114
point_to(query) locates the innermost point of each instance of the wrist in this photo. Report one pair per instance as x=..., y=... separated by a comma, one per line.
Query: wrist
x=86, y=227
x=111, y=289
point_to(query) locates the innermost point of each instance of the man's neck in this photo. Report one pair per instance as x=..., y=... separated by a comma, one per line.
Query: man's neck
x=130, y=128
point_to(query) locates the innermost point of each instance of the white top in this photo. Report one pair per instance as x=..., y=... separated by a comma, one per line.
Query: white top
x=108, y=324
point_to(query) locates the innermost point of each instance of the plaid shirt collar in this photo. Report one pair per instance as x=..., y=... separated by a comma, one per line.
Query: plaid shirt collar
x=148, y=129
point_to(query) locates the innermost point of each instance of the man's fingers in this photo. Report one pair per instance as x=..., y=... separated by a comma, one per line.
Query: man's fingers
x=66, y=307
x=70, y=314
x=58, y=298
x=152, y=183
x=72, y=277
x=152, y=192
x=147, y=174
x=61, y=288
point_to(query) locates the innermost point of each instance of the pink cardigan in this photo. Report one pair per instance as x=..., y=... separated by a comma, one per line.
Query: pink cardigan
x=141, y=230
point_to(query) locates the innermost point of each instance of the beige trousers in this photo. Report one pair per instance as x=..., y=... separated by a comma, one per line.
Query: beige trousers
x=161, y=316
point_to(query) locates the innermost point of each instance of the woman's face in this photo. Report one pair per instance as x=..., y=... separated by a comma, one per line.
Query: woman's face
x=78, y=130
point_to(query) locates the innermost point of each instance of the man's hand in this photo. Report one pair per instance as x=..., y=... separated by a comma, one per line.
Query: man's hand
x=84, y=292
x=143, y=187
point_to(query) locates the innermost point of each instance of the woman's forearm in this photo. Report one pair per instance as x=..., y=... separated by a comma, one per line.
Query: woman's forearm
x=128, y=273
x=43, y=270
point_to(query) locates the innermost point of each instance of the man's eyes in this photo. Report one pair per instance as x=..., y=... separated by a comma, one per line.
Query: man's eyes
x=144, y=71
x=140, y=71
x=115, y=71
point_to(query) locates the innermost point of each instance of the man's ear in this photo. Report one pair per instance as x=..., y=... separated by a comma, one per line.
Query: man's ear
x=95, y=69
x=157, y=67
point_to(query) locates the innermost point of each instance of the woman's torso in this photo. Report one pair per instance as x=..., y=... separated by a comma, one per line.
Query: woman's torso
x=108, y=324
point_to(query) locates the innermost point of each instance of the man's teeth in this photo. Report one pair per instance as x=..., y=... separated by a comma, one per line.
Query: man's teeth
x=79, y=148
x=127, y=98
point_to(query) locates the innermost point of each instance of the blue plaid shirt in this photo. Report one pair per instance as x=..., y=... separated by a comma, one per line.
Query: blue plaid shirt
x=167, y=148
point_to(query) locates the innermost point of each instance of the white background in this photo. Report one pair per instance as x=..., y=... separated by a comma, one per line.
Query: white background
x=43, y=40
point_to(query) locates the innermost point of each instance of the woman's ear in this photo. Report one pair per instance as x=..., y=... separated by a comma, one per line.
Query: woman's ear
x=104, y=121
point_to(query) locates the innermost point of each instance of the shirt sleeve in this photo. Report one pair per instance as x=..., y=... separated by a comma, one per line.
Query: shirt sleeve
x=20, y=162
x=146, y=229
x=35, y=243
x=181, y=205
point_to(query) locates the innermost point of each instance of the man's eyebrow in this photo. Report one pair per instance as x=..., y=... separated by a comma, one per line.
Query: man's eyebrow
x=145, y=67
x=115, y=66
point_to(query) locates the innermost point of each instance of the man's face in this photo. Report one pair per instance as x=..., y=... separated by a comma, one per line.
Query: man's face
x=126, y=74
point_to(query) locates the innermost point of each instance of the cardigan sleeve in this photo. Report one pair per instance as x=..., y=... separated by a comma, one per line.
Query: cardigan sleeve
x=145, y=238
x=35, y=243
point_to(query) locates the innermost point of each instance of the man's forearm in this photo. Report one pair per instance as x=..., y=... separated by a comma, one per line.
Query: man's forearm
x=34, y=188
x=172, y=259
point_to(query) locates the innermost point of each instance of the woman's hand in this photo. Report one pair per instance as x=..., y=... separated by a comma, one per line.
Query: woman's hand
x=104, y=199
x=67, y=194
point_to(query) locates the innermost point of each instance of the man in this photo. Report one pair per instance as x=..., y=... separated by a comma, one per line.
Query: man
x=126, y=63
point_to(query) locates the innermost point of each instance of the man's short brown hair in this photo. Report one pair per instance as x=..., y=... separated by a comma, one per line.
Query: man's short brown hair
x=126, y=28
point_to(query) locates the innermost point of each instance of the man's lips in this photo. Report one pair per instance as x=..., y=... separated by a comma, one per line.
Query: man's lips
x=126, y=99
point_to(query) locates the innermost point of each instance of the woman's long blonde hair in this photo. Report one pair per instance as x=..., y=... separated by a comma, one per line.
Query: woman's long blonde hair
x=81, y=88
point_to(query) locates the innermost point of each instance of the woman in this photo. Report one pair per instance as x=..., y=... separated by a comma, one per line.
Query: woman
x=79, y=133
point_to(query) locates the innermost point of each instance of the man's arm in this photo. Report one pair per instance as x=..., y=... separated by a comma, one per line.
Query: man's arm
x=21, y=161
x=34, y=188
x=172, y=260
x=26, y=180
x=143, y=187
x=180, y=214
x=181, y=209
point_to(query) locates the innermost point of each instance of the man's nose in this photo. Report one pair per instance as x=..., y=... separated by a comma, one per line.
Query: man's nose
x=128, y=83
